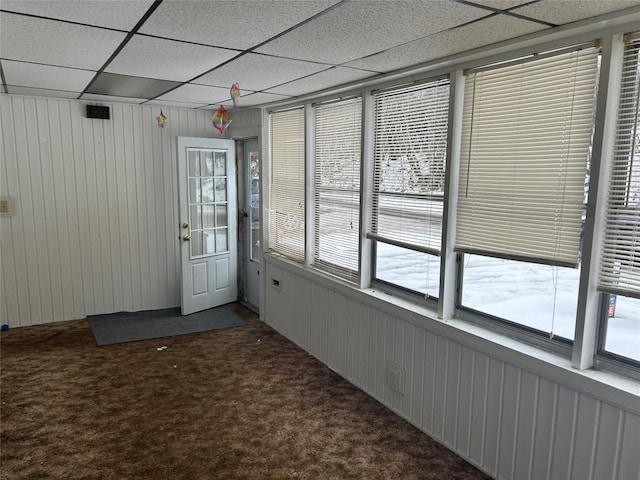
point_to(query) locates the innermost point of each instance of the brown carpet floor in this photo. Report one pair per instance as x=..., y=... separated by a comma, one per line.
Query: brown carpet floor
x=240, y=403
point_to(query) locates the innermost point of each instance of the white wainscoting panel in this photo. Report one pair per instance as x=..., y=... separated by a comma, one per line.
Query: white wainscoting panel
x=510, y=422
x=95, y=227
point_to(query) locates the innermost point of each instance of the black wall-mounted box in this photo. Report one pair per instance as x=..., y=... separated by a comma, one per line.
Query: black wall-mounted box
x=98, y=111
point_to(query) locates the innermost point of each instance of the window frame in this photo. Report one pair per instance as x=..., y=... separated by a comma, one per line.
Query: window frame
x=585, y=350
x=436, y=82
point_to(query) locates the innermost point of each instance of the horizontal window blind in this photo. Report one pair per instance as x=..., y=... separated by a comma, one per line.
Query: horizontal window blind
x=620, y=266
x=525, y=149
x=287, y=226
x=410, y=151
x=338, y=140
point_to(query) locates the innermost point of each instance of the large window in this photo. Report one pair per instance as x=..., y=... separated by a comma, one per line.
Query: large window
x=620, y=267
x=409, y=155
x=338, y=140
x=526, y=139
x=287, y=226
x=522, y=135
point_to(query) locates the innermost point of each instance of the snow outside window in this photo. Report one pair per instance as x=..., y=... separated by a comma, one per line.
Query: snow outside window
x=620, y=265
x=526, y=141
x=287, y=150
x=338, y=140
x=409, y=172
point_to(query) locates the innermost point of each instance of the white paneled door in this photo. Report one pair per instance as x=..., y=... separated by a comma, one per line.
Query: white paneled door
x=207, y=191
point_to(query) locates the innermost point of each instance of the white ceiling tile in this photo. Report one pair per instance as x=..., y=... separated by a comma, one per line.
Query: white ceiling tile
x=165, y=59
x=259, y=72
x=501, y=4
x=166, y=104
x=260, y=99
x=42, y=92
x=566, y=11
x=48, y=41
x=196, y=94
x=234, y=24
x=44, y=76
x=110, y=98
x=120, y=14
x=477, y=34
x=358, y=28
x=320, y=81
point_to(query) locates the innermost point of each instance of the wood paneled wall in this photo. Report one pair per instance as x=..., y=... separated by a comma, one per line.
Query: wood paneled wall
x=511, y=421
x=95, y=227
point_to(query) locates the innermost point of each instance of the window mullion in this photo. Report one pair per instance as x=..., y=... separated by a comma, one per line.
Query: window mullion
x=366, y=191
x=448, y=266
x=310, y=155
x=584, y=343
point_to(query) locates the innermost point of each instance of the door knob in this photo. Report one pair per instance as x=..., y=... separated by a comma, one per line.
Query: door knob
x=186, y=238
x=185, y=225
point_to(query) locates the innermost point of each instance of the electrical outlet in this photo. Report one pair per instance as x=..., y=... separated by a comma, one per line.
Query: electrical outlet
x=395, y=377
x=6, y=206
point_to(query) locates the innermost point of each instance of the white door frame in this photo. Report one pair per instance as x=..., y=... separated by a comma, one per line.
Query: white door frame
x=208, y=222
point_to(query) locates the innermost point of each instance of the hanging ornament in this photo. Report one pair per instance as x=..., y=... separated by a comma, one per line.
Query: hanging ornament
x=221, y=119
x=161, y=119
x=235, y=94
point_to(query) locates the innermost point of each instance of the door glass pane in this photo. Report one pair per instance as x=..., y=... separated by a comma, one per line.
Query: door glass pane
x=195, y=191
x=220, y=168
x=221, y=215
x=209, y=241
x=254, y=211
x=196, y=243
x=207, y=170
x=221, y=190
x=207, y=190
x=196, y=217
x=221, y=240
x=208, y=216
x=194, y=163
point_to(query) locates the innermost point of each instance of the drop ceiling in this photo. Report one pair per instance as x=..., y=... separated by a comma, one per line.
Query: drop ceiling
x=188, y=53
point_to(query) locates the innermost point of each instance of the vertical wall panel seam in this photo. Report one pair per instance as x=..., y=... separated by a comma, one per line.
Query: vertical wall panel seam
x=484, y=414
x=618, y=451
x=516, y=424
x=36, y=291
x=534, y=423
x=14, y=221
x=69, y=281
x=594, y=443
x=77, y=219
x=574, y=428
x=424, y=372
x=457, y=413
x=99, y=126
x=119, y=211
x=88, y=225
x=552, y=437
x=177, y=258
x=44, y=211
x=109, y=207
x=471, y=405
x=128, y=206
x=444, y=389
x=136, y=175
x=163, y=219
x=166, y=233
x=58, y=255
x=500, y=405
x=413, y=361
